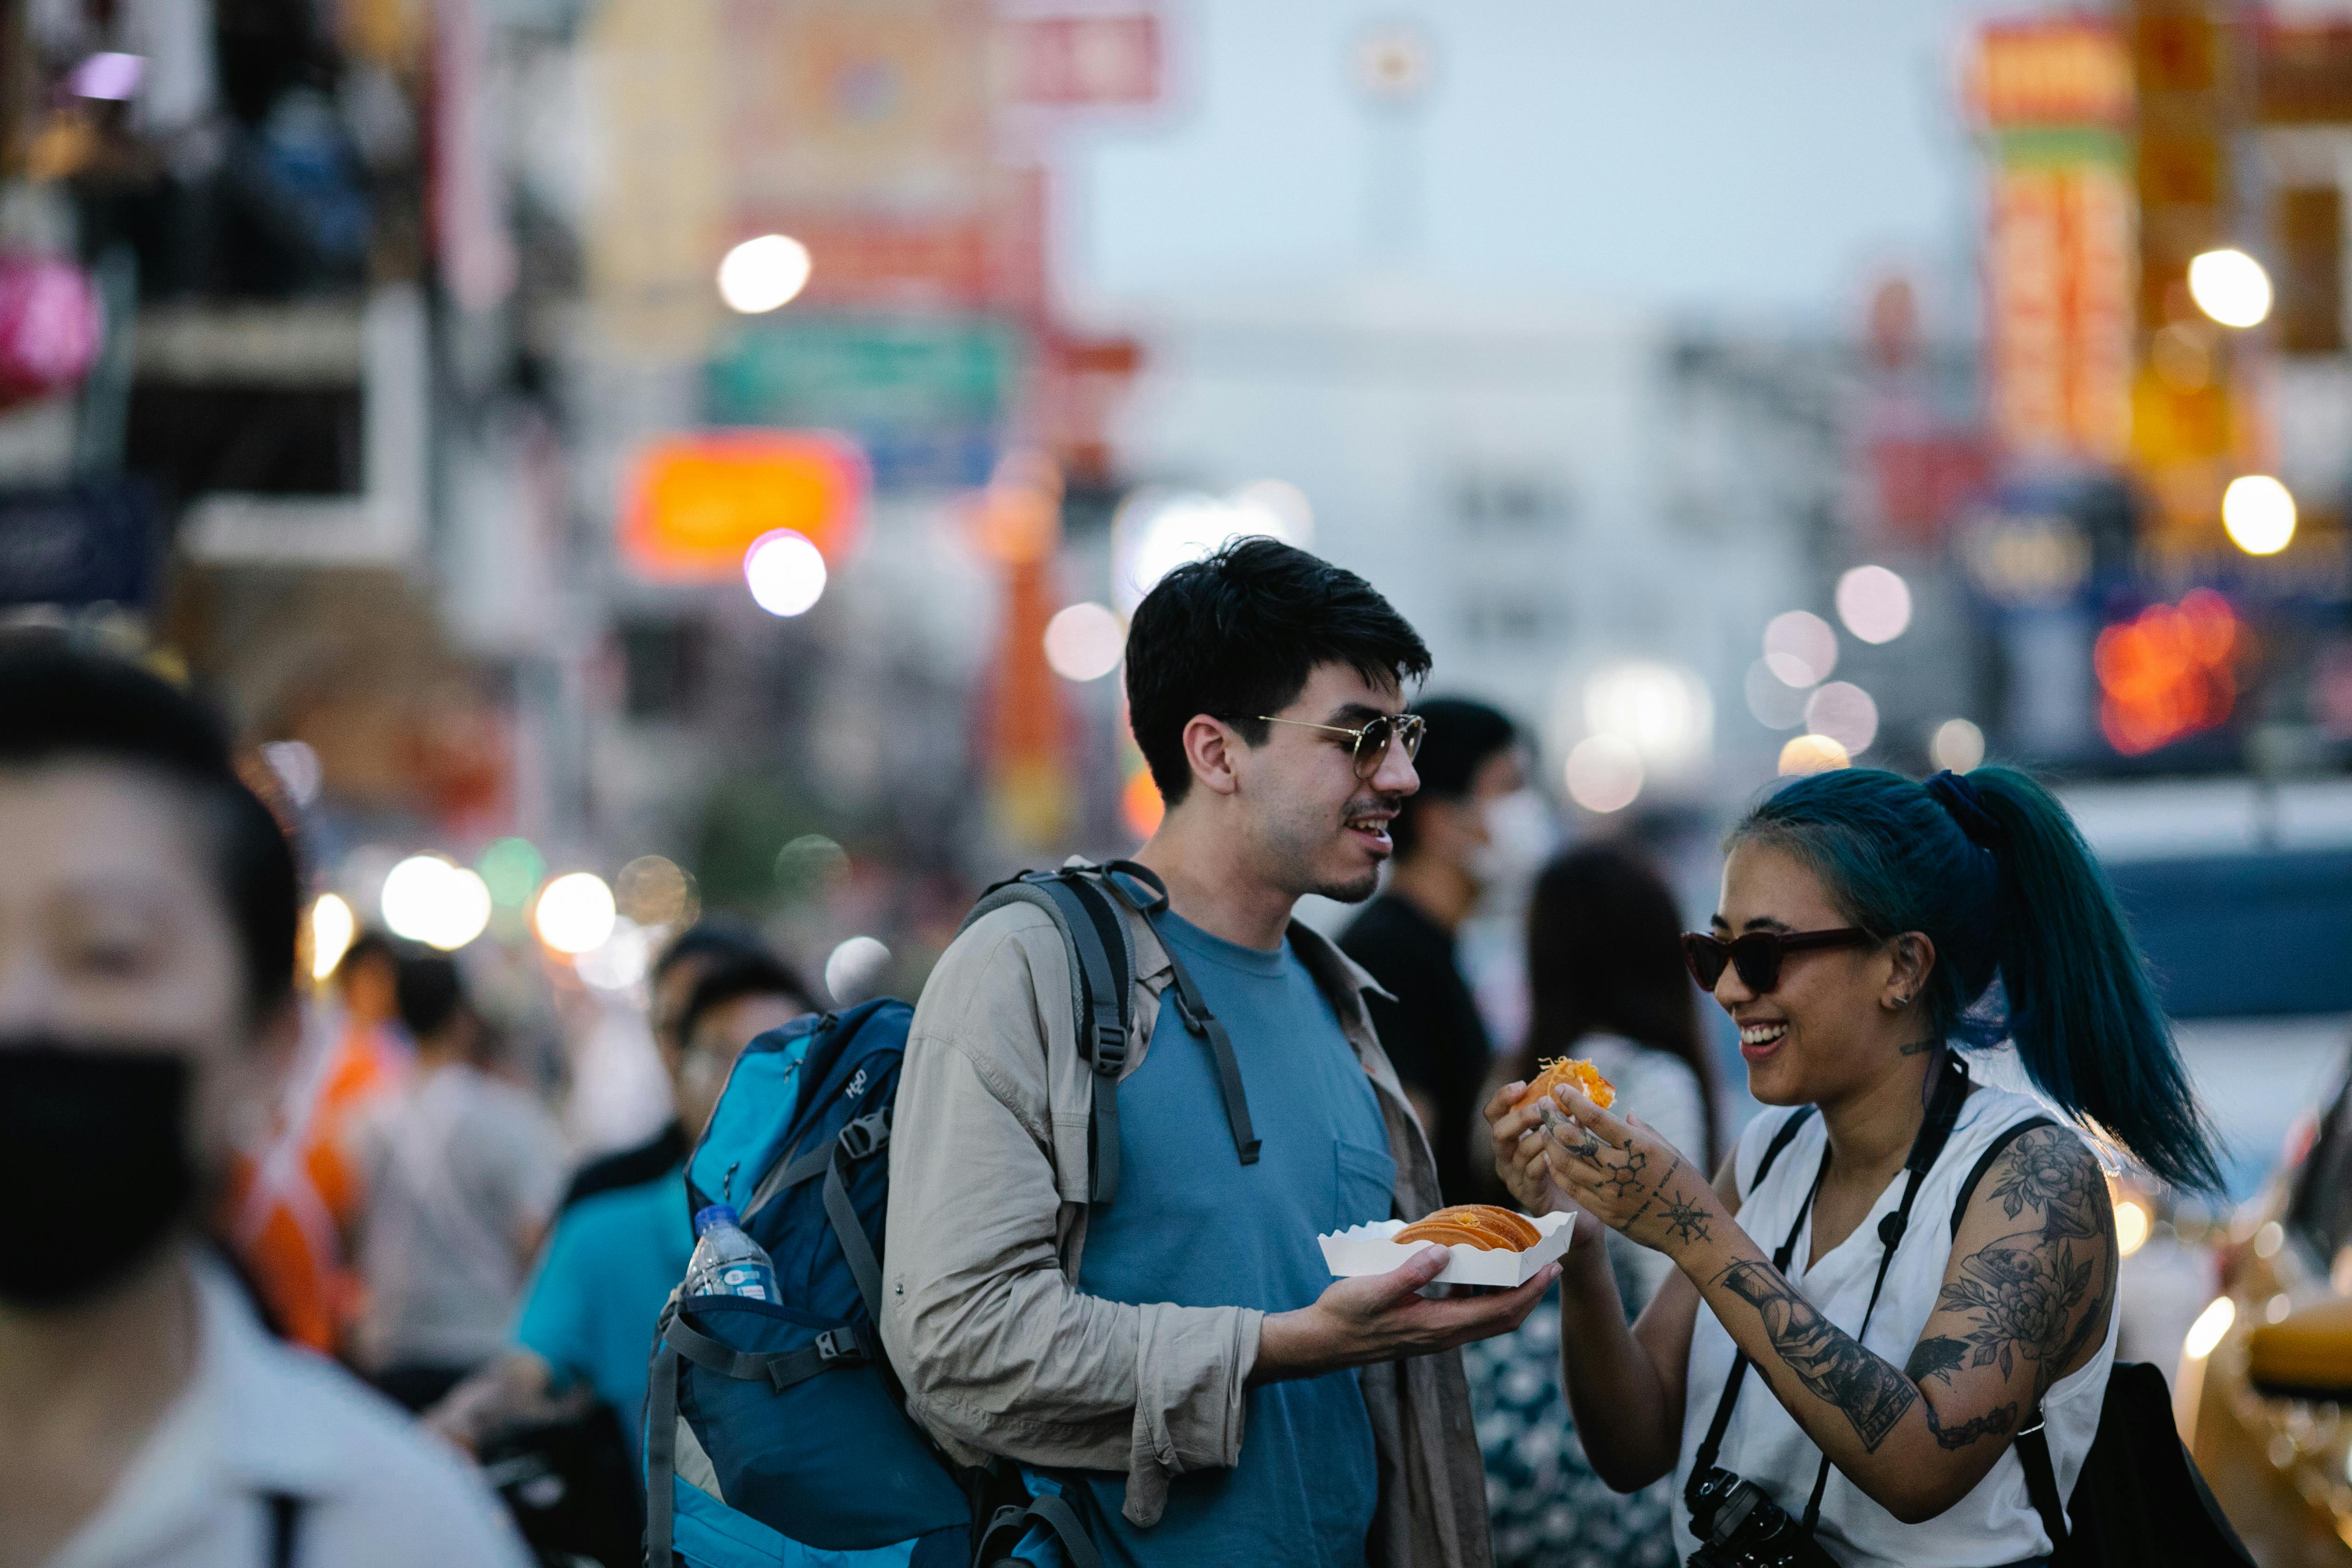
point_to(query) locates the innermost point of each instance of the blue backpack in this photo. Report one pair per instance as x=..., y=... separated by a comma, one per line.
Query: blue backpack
x=777, y=1436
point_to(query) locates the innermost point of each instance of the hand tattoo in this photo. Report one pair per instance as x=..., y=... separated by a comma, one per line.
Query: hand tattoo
x=1621, y=1178
x=1686, y=1220
x=1825, y=1358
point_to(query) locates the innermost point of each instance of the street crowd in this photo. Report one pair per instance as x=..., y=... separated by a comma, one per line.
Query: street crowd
x=279, y=1279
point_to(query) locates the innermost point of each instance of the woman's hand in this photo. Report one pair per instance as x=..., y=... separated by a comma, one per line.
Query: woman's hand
x=1622, y=1173
x=1518, y=1142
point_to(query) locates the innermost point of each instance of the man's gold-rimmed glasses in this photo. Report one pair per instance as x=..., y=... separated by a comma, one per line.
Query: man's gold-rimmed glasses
x=1372, y=740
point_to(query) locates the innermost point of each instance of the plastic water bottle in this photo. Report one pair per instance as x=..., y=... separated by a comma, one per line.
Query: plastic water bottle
x=726, y=1262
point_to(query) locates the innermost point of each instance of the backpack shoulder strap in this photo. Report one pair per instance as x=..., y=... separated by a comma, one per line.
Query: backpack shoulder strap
x=1993, y=1150
x=1102, y=970
x=2042, y=1486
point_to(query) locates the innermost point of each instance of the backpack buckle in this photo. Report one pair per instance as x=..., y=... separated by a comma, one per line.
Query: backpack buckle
x=835, y=1344
x=1110, y=1049
x=863, y=1136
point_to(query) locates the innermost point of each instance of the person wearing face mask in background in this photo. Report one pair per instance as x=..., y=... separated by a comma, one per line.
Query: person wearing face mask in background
x=147, y=932
x=1475, y=824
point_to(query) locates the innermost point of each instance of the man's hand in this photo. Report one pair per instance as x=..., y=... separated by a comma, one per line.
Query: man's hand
x=1381, y=1317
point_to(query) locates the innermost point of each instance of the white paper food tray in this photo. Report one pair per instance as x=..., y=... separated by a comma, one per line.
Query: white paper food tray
x=1367, y=1249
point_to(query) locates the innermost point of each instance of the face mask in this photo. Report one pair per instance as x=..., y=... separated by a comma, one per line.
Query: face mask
x=1519, y=838
x=94, y=1165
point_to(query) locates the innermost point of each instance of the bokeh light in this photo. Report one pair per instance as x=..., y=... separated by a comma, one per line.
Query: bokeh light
x=2166, y=672
x=2132, y=1225
x=429, y=900
x=2231, y=287
x=1603, y=774
x=1157, y=530
x=1957, y=745
x=1140, y=806
x=575, y=912
x=853, y=970
x=512, y=868
x=786, y=572
x=1776, y=704
x=297, y=767
x=1085, y=641
x=621, y=959
x=809, y=866
x=1801, y=648
x=1813, y=754
x=653, y=890
x=1874, y=604
x=2206, y=1334
x=332, y=926
x=1663, y=710
x=759, y=275
x=1845, y=714
x=2259, y=514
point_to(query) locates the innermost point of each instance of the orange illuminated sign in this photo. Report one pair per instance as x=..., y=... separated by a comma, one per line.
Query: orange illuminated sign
x=2051, y=73
x=2166, y=673
x=696, y=503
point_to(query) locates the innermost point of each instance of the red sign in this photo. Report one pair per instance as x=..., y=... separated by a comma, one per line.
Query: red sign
x=1087, y=61
x=697, y=502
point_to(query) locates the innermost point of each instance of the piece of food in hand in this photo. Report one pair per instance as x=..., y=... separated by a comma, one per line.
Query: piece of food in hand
x=1482, y=1225
x=1578, y=1074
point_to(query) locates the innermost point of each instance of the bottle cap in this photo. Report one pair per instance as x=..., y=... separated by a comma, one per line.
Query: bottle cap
x=717, y=1213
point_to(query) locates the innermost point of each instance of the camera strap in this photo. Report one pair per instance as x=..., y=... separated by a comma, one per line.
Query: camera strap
x=1926, y=1147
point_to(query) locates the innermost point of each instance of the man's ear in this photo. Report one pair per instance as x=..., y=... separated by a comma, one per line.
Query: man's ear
x=1209, y=747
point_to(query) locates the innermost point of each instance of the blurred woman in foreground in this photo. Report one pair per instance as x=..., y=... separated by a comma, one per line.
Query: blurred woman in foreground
x=1863, y=920
x=1606, y=981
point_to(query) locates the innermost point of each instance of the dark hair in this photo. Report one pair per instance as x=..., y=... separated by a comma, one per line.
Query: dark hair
x=369, y=946
x=1604, y=955
x=1239, y=634
x=59, y=702
x=712, y=936
x=749, y=974
x=1991, y=870
x=1463, y=736
x=431, y=993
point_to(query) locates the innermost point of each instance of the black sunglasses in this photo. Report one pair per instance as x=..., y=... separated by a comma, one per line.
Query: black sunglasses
x=1757, y=956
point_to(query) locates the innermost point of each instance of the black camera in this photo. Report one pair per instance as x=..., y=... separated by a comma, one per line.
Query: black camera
x=1739, y=1526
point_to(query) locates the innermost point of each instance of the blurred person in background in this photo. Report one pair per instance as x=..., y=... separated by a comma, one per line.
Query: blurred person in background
x=147, y=951
x=296, y=1200
x=587, y=1321
x=463, y=1170
x=1605, y=974
x=709, y=942
x=1447, y=857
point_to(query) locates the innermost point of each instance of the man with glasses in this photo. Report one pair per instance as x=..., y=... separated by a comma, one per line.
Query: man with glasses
x=1178, y=1355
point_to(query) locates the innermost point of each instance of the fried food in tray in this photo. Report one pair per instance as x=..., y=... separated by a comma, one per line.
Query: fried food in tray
x=1578, y=1074
x=1482, y=1225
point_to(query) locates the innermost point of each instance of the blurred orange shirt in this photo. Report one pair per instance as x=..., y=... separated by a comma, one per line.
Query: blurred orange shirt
x=293, y=1205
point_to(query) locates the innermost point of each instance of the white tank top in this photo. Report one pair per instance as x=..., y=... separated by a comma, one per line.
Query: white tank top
x=1993, y=1525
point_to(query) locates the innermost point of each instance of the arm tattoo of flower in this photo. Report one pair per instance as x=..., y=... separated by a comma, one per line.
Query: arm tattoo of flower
x=1826, y=1359
x=2039, y=1293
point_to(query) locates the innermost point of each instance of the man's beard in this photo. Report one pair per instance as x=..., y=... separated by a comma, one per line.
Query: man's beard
x=1291, y=845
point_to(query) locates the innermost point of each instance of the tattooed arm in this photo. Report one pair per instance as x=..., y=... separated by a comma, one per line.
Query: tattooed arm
x=1624, y=1381
x=2026, y=1297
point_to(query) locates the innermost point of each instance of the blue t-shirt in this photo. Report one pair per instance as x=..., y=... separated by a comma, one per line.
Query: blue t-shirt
x=600, y=1287
x=1194, y=1226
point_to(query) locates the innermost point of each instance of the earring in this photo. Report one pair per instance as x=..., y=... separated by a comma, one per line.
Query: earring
x=1903, y=1001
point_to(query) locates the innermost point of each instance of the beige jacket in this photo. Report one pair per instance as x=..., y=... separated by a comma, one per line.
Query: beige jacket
x=1001, y=1353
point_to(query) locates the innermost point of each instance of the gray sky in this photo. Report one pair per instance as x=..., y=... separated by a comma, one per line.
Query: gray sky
x=1753, y=158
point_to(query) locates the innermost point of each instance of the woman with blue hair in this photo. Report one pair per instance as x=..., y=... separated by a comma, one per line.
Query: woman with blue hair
x=1920, y=1268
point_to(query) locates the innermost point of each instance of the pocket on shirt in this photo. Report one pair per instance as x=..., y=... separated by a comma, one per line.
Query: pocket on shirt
x=1364, y=1186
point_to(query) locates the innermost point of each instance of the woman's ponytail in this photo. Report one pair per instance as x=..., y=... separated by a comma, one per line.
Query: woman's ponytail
x=2082, y=1008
